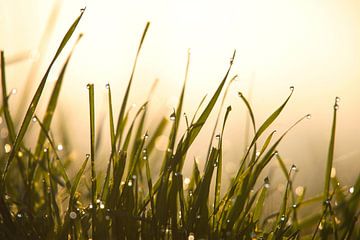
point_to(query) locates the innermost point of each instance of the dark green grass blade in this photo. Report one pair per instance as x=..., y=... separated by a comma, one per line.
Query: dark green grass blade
x=105, y=188
x=218, y=116
x=8, y=119
x=92, y=157
x=219, y=167
x=53, y=102
x=120, y=126
x=263, y=127
x=205, y=114
x=52, y=144
x=34, y=102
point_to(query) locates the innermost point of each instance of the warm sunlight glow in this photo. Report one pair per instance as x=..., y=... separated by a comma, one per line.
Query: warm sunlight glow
x=312, y=45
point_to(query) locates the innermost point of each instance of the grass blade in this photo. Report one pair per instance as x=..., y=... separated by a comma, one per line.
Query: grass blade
x=34, y=102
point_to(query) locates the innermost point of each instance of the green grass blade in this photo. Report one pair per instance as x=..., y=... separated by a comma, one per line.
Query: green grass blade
x=120, y=126
x=330, y=157
x=8, y=119
x=92, y=157
x=53, y=102
x=34, y=102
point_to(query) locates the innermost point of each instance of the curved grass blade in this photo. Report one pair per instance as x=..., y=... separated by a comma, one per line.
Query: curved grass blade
x=53, y=102
x=120, y=126
x=34, y=102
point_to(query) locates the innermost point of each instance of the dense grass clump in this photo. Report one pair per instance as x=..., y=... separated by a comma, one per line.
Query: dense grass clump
x=38, y=200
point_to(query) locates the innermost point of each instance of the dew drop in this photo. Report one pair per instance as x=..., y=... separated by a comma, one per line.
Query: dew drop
x=73, y=215
x=337, y=99
x=292, y=88
x=198, y=216
x=146, y=136
x=102, y=206
x=88, y=86
x=19, y=215
x=20, y=154
x=308, y=116
x=87, y=155
x=187, y=180
x=91, y=206
x=34, y=119
x=191, y=236
x=266, y=182
x=283, y=218
x=98, y=201
x=336, y=106
x=172, y=116
x=60, y=147
x=130, y=183
x=7, y=148
x=13, y=91
x=217, y=136
x=294, y=206
x=82, y=9
x=351, y=190
x=257, y=153
x=107, y=86
x=293, y=167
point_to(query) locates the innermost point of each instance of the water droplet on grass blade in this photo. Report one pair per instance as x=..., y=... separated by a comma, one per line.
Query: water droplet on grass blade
x=60, y=147
x=107, y=86
x=13, y=91
x=73, y=215
x=173, y=116
x=308, y=116
x=293, y=167
x=351, y=190
x=191, y=236
x=130, y=183
x=7, y=148
x=217, y=136
x=34, y=119
x=266, y=182
x=292, y=88
x=87, y=155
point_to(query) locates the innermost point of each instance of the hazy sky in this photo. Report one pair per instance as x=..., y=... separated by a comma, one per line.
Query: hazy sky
x=312, y=45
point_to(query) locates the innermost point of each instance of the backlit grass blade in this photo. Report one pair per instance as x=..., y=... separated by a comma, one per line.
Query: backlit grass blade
x=52, y=144
x=34, y=102
x=120, y=126
x=264, y=126
x=105, y=188
x=219, y=167
x=330, y=157
x=53, y=102
x=218, y=116
x=92, y=157
x=205, y=114
x=5, y=98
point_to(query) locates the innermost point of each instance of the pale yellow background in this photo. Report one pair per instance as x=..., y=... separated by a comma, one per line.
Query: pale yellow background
x=311, y=44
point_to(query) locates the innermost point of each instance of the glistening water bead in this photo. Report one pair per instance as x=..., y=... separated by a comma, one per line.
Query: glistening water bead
x=172, y=116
